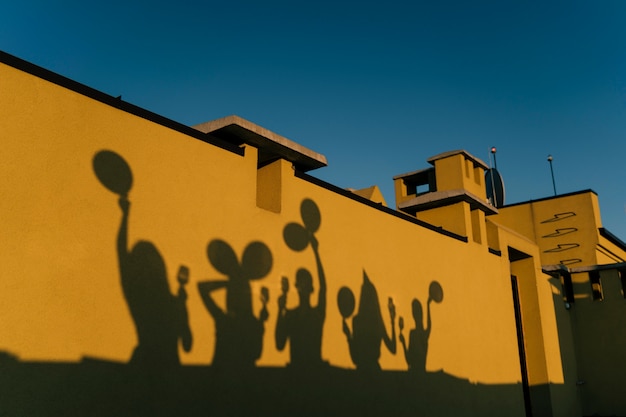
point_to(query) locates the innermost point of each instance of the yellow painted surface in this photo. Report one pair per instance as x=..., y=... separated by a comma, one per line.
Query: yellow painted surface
x=452, y=173
x=372, y=193
x=456, y=172
x=518, y=218
x=599, y=336
x=400, y=191
x=270, y=184
x=493, y=235
x=608, y=252
x=61, y=297
x=564, y=228
x=479, y=232
x=455, y=218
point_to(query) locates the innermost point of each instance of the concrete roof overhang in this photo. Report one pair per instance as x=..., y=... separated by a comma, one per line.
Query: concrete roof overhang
x=271, y=146
x=468, y=155
x=437, y=199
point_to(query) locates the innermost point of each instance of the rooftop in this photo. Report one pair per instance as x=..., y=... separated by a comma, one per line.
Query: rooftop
x=238, y=131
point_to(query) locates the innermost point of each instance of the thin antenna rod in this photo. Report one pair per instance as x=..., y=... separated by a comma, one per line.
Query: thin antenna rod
x=552, y=173
x=495, y=163
x=494, y=201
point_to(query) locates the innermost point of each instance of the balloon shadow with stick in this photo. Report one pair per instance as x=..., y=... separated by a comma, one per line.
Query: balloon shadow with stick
x=416, y=351
x=303, y=326
x=368, y=329
x=160, y=318
x=238, y=333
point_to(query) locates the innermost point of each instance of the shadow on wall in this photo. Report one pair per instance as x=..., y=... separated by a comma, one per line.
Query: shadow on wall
x=107, y=389
x=368, y=328
x=160, y=318
x=303, y=326
x=416, y=351
x=591, y=338
x=154, y=383
x=238, y=333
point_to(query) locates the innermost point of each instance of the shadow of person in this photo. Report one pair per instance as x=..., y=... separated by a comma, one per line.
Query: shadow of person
x=160, y=318
x=368, y=329
x=303, y=326
x=417, y=350
x=238, y=333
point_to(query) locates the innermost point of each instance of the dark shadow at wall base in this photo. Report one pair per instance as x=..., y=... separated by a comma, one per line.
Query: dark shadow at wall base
x=95, y=388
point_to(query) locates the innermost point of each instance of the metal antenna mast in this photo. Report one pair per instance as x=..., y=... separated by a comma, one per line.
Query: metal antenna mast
x=552, y=173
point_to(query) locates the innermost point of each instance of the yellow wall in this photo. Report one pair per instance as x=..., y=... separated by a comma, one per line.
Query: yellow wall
x=565, y=228
x=454, y=218
x=589, y=346
x=591, y=340
x=608, y=252
x=458, y=172
x=61, y=295
x=61, y=298
x=597, y=329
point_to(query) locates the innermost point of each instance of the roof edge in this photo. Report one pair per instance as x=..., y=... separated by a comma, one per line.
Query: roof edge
x=612, y=238
x=468, y=155
x=588, y=190
x=238, y=130
x=116, y=102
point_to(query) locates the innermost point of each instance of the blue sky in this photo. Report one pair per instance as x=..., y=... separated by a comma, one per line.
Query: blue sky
x=377, y=87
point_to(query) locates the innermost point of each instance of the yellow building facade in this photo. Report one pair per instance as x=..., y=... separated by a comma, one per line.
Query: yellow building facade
x=156, y=268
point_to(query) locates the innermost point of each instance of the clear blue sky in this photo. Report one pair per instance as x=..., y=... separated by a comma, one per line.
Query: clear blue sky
x=377, y=87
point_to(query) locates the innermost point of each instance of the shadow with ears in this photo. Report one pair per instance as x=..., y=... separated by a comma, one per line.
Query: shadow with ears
x=238, y=332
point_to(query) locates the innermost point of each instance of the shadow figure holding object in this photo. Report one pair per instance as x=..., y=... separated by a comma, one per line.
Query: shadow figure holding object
x=160, y=318
x=416, y=351
x=238, y=333
x=368, y=328
x=303, y=325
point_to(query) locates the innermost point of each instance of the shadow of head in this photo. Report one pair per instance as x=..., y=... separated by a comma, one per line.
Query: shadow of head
x=304, y=281
x=147, y=267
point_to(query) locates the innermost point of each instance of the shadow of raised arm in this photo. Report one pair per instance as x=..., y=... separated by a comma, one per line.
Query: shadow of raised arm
x=205, y=288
